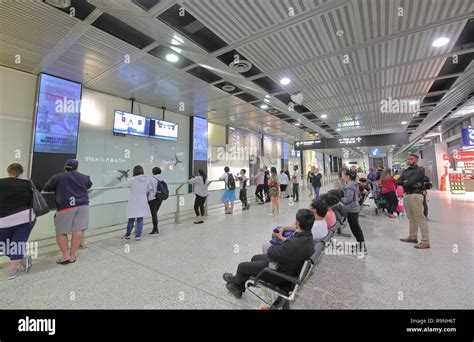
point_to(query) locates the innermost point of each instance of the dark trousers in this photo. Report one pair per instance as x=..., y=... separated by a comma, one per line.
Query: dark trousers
x=392, y=201
x=243, y=197
x=199, y=205
x=296, y=191
x=154, y=207
x=16, y=236
x=259, y=192
x=353, y=219
x=253, y=267
x=266, y=190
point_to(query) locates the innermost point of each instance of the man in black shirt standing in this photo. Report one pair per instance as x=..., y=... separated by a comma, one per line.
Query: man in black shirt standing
x=290, y=256
x=411, y=180
x=266, y=188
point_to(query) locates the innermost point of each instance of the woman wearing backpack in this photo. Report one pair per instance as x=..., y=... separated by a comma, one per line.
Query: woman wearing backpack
x=200, y=190
x=228, y=197
x=137, y=202
x=153, y=202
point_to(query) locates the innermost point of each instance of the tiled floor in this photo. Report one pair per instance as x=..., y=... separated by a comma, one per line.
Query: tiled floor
x=182, y=268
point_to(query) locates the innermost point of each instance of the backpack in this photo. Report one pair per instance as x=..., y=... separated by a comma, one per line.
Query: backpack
x=230, y=181
x=162, y=192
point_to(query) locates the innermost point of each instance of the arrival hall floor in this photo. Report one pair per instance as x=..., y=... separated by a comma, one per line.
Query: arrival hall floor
x=182, y=267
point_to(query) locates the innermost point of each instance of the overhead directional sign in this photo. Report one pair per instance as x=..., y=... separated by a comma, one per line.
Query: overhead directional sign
x=468, y=137
x=357, y=141
x=375, y=152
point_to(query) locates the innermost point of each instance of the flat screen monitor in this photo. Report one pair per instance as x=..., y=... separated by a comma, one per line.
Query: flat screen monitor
x=131, y=124
x=57, y=115
x=164, y=130
x=200, y=138
x=375, y=151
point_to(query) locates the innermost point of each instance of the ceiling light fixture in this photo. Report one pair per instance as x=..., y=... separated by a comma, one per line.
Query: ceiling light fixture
x=404, y=122
x=324, y=116
x=264, y=106
x=172, y=58
x=285, y=81
x=267, y=96
x=414, y=102
x=440, y=42
x=266, y=100
x=338, y=129
x=339, y=33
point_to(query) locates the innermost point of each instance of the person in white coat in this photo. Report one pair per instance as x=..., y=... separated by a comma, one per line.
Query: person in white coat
x=137, y=206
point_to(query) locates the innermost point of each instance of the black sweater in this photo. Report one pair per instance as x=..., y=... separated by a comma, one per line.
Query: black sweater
x=15, y=196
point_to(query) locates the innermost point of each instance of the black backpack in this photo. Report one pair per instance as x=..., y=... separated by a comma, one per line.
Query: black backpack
x=162, y=192
x=230, y=181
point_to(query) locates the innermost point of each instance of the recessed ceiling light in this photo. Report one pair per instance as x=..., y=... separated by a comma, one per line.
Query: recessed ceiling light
x=266, y=100
x=285, y=81
x=339, y=33
x=440, y=42
x=404, y=122
x=172, y=58
x=324, y=116
x=264, y=106
x=338, y=129
x=297, y=124
x=267, y=96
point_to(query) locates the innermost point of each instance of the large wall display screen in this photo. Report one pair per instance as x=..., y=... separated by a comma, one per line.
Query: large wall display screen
x=57, y=116
x=272, y=147
x=163, y=130
x=199, y=138
x=127, y=123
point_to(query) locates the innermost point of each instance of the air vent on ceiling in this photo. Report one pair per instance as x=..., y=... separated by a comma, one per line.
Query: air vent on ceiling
x=59, y=3
x=241, y=66
x=273, y=111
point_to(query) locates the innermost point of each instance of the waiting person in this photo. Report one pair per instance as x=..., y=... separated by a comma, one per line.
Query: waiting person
x=296, y=180
x=320, y=227
x=72, y=203
x=266, y=188
x=153, y=202
x=411, y=180
x=331, y=201
x=290, y=256
x=242, y=178
x=289, y=189
x=228, y=197
x=200, y=191
x=339, y=209
x=351, y=204
x=308, y=181
x=16, y=218
x=316, y=182
x=283, y=178
x=137, y=202
x=259, y=177
x=274, y=188
x=388, y=192
x=342, y=171
x=372, y=177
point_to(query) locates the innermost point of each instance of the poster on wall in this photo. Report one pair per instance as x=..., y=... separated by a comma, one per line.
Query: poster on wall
x=57, y=116
x=272, y=147
x=200, y=138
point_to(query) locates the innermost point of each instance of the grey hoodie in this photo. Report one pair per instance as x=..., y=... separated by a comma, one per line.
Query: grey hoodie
x=351, y=197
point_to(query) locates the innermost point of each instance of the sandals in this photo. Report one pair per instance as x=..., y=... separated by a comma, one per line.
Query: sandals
x=65, y=262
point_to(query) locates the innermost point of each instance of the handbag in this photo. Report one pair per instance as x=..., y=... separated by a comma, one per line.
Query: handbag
x=39, y=204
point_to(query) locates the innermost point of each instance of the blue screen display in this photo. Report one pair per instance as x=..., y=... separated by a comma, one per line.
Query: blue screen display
x=200, y=138
x=57, y=115
x=468, y=137
x=285, y=150
x=375, y=151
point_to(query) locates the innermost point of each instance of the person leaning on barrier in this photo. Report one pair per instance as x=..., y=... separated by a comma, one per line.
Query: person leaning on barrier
x=290, y=256
x=200, y=191
x=16, y=218
x=72, y=203
x=153, y=202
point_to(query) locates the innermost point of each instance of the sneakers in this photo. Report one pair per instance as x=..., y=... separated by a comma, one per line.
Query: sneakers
x=13, y=275
x=234, y=290
x=126, y=237
x=137, y=238
x=228, y=277
x=247, y=207
x=409, y=239
x=422, y=245
x=26, y=263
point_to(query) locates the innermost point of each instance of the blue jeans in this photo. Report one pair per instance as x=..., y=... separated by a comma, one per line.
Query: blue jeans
x=130, y=223
x=316, y=191
x=16, y=237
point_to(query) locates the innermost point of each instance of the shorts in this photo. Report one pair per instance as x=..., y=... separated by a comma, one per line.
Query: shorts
x=228, y=196
x=283, y=187
x=70, y=220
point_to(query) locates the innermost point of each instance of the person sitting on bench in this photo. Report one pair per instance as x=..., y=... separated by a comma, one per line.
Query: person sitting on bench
x=290, y=256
